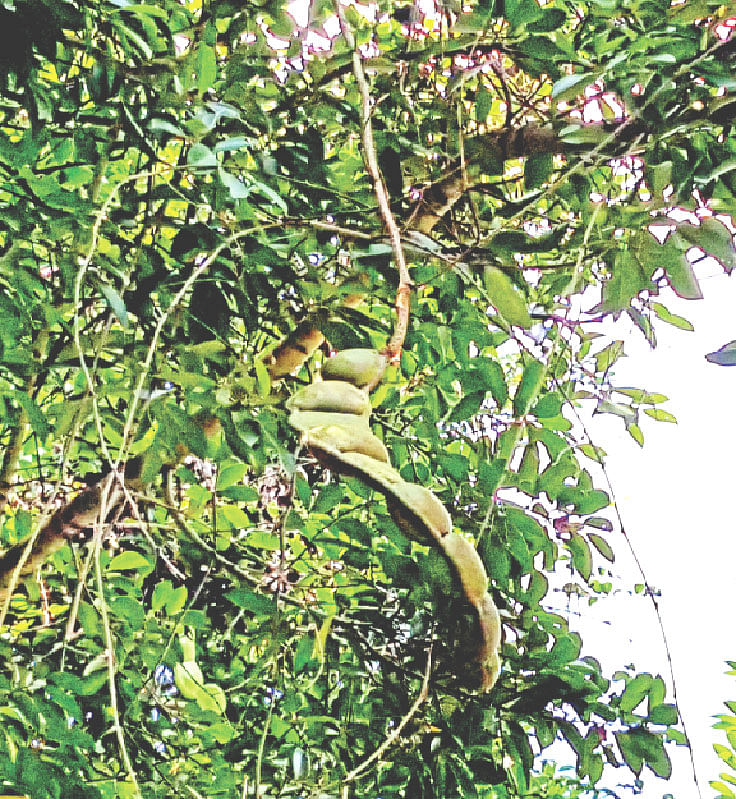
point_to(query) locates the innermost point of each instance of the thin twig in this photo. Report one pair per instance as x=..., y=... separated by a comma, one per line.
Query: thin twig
x=395, y=734
x=262, y=746
x=110, y=643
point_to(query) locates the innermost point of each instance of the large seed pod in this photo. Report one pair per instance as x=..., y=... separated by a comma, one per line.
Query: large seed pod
x=468, y=565
x=334, y=396
x=490, y=623
x=293, y=352
x=490, y=630
x=333, y=416
x=357, y=366
x=305, y=421
x=416, y=509
x=337, y=439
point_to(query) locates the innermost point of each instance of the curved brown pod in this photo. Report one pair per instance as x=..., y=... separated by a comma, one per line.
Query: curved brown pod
x=360, y=367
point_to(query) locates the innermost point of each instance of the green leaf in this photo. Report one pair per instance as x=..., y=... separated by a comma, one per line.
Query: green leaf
x=570, y=86
x=520, y=12
x=635, y=692
x=528, y=389
x=582, y=559
x=89, y=619
x=582, y=134
x=490, y=476
x=589, y=501
x=628, y=279
x=129, y=609
x=714, y=238
x=165, y=595
x=506, y=298
x=672, y=258
x=635, y=432
x=726, y=755
x=211, y=698
x=229, y=474
x=725, y=790
x=262, y=378
x=233, y=143
x=259, y=604
x=725, y=356
x=260, y=539
x=115, y=301
x=537, y=169
x=206, y=67
x=201, y=157
x=550, y=405
x=35, y=416
x=602, y=546
x=235, y=515
x=160, y=593
x=672, y=319
x=494, y=380
x=660, y=415
x=605, y=359
x=630, y=751
x=239, y=190
x=129, y=560
x=189, y=679
x=565, y=650
x=483, y=102
x=304, y=651
x=663, y=714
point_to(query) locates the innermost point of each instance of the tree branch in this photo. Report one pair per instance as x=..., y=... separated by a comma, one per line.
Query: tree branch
x=403, y=292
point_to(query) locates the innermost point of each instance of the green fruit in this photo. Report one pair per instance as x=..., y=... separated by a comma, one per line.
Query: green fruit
x=415, y=509
x=306, y=421
x=333, y=417
x=490, y=623
x=419, y=513
x=490, y=669
x=468, y=565
x=381, y=476
x=336, y=439
x=333, y=396
x=360, y=367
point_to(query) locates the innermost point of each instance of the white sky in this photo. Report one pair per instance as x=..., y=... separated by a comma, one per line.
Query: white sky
x=674, y=495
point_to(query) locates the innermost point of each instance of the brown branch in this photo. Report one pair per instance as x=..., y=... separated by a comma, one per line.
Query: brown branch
x=18, y=423
x=403, y=292
x=484, y=154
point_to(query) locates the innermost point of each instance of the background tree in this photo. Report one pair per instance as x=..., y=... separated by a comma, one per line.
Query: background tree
x=200, y=201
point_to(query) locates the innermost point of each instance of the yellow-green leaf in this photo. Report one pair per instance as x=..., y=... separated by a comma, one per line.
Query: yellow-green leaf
x=506, y=298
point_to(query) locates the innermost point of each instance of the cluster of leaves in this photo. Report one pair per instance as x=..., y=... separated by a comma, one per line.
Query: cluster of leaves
x=177, y=197
x=727, y=753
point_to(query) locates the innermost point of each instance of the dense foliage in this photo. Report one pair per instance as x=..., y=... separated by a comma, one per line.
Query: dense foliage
x=184, y=187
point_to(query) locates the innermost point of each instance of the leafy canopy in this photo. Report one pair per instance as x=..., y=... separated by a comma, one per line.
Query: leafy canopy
x=187, y=206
